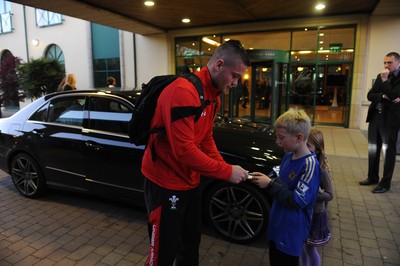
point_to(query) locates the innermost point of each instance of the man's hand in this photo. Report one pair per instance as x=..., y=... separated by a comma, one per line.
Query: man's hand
x=397, y=100
x=238, y=174
x=385, y=75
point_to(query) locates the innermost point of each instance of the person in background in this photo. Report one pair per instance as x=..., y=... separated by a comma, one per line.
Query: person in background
x=185, y=152
x=245, y=93
x=111, y=82
x=238, y=92
x=319, y=233
x=70, y=83
x=267, y=93
x=384, y=123
x=62, y=84
x=293, y=192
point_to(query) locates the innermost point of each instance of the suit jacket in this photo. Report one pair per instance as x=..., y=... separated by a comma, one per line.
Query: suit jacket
x=390, y=110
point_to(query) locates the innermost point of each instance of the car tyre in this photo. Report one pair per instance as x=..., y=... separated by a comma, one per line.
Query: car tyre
x=239, y=213
x=27, y=176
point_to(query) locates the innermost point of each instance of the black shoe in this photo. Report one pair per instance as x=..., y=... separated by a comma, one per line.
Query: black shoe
x=367, y=182
x=379, y=189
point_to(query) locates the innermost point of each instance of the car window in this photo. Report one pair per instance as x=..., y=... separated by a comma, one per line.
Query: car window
x=68, y=111
x=108, y=114
x=41, y=114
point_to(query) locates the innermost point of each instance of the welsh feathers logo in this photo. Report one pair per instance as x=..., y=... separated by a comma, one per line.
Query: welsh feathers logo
x=174, y=200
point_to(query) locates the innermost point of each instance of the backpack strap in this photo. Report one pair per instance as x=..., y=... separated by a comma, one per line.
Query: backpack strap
x=186, y=111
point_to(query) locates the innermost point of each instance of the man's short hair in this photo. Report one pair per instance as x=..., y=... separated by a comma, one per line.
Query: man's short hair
x=295, y=121
x=230, y=51
x=395, y=55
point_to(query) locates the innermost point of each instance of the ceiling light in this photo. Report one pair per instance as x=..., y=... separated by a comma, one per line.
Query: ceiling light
x=149, y=3
x=320, y=6
x=210, y=41
x=186, y=20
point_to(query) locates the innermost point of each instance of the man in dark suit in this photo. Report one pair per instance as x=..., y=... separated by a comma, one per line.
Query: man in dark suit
x=384, y=123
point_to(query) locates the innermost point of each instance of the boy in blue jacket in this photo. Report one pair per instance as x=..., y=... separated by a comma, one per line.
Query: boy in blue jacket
x=294, y=191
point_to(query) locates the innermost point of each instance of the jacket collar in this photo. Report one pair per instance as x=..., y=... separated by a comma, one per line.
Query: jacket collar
x=205, y=77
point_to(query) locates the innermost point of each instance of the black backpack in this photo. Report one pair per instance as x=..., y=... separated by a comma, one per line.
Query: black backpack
x=145, y=106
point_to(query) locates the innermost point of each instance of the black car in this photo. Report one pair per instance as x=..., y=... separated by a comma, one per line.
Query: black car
x=78, y=141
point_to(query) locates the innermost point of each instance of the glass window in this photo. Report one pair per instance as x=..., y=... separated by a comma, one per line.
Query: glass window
x=106, y=56
x=104, y=68
x=46, y=18
x=305, y=40
x=5, y=17
x=341, y=38
x=5, y=55
x=263, y=40
x=41, y=114
x=336, y=44
x=54, y=52
x=4, y=6
x=187, y=46
x=209, y=44
x=111, y=115
x=188, y=55
x=67, y=111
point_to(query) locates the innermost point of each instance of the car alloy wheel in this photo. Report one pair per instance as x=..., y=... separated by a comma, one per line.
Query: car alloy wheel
x=27, y=176
x=239, y=213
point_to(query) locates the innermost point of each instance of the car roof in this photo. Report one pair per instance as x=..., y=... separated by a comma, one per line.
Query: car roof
x=130, y=95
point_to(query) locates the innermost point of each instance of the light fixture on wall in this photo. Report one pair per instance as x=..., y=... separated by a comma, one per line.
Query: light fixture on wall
x=35, y=42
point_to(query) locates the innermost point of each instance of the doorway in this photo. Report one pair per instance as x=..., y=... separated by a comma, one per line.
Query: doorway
x=322, y=91
x=266, y=83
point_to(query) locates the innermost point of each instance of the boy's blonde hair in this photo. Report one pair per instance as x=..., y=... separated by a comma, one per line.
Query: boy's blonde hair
x=294, y=121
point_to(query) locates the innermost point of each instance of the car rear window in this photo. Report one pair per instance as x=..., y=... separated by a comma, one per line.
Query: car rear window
x=67, y=110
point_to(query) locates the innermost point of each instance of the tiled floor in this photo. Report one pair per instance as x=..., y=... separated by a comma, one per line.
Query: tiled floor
x=68, y=229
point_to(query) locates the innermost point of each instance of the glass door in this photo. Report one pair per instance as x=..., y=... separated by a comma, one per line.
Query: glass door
x=302, y=90
x=262, y=91
x=321, y=91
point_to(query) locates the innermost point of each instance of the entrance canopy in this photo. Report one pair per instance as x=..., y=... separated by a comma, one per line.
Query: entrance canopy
x=165, y=16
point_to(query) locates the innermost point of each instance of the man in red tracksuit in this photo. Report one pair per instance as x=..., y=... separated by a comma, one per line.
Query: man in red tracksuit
x=186, y=151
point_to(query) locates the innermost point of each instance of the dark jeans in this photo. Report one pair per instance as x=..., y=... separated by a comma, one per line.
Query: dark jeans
x=381, y=138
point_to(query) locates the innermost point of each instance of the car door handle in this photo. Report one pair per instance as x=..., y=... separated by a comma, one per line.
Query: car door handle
x=40, y=134
x=93, y=146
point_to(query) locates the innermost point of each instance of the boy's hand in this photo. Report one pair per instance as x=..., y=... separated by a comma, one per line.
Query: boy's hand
x=260, y=179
